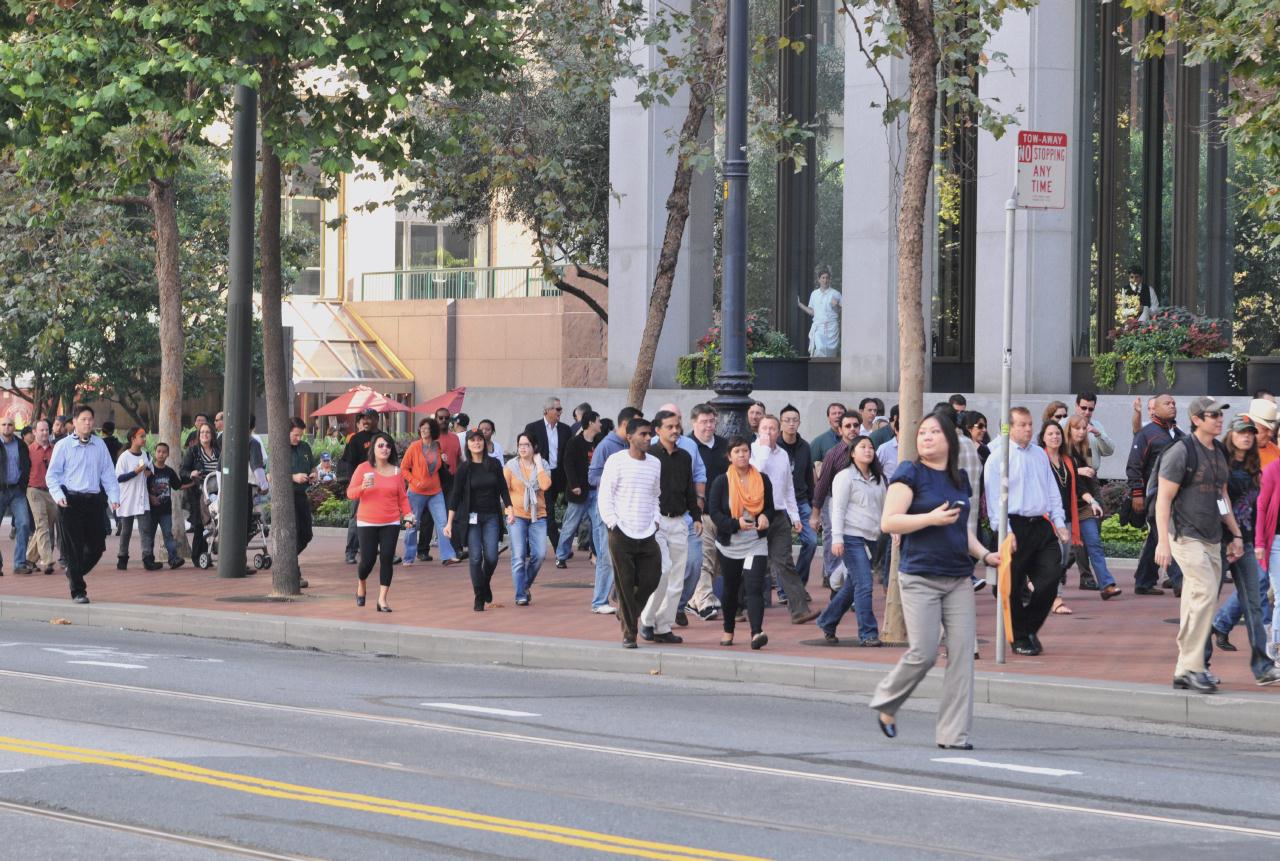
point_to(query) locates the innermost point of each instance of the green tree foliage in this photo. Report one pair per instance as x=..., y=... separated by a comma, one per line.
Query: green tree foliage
x=1243, y=37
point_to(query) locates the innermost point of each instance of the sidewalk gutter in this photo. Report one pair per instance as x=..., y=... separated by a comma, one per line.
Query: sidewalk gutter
x=1255, y=713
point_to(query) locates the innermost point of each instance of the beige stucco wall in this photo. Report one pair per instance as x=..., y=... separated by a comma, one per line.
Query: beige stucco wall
x=501, y=343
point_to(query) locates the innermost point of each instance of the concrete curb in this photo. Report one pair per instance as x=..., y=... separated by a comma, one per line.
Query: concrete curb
x=1252, y=712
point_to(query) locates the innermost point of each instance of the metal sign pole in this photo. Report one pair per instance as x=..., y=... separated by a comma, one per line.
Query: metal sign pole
x=1006, y=385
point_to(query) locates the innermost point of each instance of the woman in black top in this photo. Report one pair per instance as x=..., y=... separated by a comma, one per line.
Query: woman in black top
x=480, y=499
x=201, y=459
x=740, y=503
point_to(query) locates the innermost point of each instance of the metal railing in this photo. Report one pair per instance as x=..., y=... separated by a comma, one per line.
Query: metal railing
x=504, y=282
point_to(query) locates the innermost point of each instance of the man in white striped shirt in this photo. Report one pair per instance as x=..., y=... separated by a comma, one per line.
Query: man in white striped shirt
x=628, y=502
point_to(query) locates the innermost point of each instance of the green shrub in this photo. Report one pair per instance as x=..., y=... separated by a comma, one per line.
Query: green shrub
x=333, y=512
x=1115, y=531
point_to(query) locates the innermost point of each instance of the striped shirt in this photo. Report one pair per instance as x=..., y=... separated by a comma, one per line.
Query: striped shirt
x=629, y=490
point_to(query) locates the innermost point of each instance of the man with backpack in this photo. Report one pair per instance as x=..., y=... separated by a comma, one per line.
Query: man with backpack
x=1148, y=444
x=1193, y=495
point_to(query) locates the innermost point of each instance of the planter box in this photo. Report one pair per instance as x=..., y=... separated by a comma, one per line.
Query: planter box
x=824, y=375
x=1262, y=372
x=782, y=375
x=1191, y=377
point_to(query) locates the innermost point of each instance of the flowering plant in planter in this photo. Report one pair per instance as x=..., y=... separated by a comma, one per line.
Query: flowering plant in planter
x=698, y=370
x=1170, y=334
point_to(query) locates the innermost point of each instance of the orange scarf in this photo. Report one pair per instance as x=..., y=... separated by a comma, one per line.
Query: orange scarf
x=745, y=494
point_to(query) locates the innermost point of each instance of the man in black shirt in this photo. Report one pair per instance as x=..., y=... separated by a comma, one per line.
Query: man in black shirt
x=356, y=453
x=802, y=477
x=714, y=451
x=161, y=482
x=1148, y=444
x=576, y=460
x=677, y=497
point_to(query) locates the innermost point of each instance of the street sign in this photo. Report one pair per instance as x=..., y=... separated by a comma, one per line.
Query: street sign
x=1042, y=170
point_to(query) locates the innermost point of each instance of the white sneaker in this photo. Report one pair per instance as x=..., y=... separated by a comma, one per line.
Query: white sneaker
x=606, y=610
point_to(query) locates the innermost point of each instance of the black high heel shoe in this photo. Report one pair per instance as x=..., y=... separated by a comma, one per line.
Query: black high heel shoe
x=965, y=746
x=382, y=608
x=359, y=600
x=890, y=729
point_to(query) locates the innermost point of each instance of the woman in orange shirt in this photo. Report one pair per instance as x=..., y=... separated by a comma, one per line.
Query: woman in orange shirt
x=379, y=488
x=527, y=482
x=425, y=467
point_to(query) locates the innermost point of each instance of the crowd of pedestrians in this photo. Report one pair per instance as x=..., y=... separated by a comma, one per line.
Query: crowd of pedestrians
x=678, y=521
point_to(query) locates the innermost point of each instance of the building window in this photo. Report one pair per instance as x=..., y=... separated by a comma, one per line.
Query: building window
x=425, y=245
x=305, y=216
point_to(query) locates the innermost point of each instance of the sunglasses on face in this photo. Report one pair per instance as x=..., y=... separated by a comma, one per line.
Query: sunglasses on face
x=1085, y=409
x=1211, y=414
x=981, y=425
x=1059, y=416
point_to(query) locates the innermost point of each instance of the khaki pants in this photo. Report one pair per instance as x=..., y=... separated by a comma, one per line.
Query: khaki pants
x=704, y=595
x=660, y=610
x=1201, y=564
x=44, y=514
x=930, y=605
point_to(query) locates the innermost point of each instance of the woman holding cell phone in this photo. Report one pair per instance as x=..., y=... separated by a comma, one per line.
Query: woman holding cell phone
x=926, y=504
x=384, y=507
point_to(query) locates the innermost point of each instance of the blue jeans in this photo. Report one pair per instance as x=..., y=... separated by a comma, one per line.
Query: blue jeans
x=1091, y=533
x=604, y=563
x=420, y=502
x=573, y=514
x=1246, y=572
x=147, y=535
x=528, y=547
x=482, y=547
x=14, y=501
x=1229, y=614
x=1272, y=561
x=855, y=592
x=808, y=542
x=692, y=565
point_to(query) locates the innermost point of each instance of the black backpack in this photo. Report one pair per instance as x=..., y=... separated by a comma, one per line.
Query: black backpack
x=1193, y=461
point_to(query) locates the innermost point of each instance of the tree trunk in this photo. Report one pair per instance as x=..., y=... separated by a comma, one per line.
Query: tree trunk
x=285, y=574
x=162, y=199
x=923, y=55
x=711, y=50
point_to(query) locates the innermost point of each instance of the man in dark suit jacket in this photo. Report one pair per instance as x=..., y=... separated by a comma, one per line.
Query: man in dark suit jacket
x=550, y=439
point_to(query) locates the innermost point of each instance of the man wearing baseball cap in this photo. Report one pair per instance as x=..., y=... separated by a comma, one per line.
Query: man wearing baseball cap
x=1264, y=414
x=1192, y=507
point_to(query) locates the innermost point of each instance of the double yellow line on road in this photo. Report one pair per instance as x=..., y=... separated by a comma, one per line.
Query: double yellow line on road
x=369, y=804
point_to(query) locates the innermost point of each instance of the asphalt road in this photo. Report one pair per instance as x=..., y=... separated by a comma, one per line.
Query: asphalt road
x=141, y=746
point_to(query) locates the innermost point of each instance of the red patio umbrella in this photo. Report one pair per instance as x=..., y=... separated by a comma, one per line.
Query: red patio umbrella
x=358, y=400
x=450, y=400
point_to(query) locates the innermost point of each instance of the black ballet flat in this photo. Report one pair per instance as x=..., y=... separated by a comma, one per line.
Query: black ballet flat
x=965, y=746
x=890, y=729
x=359, y=600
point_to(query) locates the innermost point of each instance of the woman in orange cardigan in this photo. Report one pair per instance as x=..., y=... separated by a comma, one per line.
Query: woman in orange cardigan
x=379, y=487
x=424, y=466
x=527, y=481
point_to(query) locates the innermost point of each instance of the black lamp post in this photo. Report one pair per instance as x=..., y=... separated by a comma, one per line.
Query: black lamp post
x=733, y=383
x=233, y=485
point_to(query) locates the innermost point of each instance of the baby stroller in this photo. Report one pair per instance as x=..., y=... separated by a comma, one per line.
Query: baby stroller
x=259, y=531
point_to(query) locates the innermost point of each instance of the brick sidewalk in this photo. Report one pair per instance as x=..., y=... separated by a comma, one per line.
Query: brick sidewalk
x=1128, y=639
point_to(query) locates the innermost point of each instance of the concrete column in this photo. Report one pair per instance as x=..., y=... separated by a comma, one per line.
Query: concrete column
x=641, y=170
x=1042, y=88
x=873, y=155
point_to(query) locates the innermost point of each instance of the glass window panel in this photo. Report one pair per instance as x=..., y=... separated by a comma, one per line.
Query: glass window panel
x=320, y=361
x=422, y=246
x=362, y=366
x=320, y=320
x=308, y=283
x=457, y=247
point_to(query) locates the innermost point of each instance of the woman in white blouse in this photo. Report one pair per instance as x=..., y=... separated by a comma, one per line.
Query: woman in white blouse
x=857, y=500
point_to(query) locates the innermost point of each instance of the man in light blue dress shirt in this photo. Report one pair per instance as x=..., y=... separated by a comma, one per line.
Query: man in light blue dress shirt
x=1037, y=521
x=80, y=472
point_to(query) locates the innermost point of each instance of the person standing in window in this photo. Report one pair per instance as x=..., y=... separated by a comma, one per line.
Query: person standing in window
x=824, y=308
x=1148, y=300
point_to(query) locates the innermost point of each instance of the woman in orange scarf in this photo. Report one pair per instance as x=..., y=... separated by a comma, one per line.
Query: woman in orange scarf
x=740, y=503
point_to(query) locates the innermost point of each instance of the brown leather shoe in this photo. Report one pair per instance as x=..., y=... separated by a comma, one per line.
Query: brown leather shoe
x=1110, y=592
x=806, y=618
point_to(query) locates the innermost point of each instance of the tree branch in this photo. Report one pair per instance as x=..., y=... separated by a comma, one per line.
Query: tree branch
x=566, y=287
x=591, y=276
x=128, y=200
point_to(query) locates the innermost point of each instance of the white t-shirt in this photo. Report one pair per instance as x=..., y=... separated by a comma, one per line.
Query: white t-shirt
x=133, y=493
